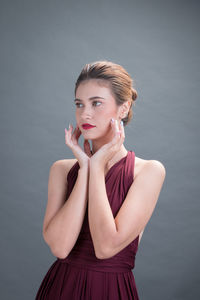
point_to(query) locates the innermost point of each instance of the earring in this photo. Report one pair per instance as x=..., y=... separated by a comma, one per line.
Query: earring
x=125, y=116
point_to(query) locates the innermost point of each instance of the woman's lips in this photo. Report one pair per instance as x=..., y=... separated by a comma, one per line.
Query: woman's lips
x=87, y=126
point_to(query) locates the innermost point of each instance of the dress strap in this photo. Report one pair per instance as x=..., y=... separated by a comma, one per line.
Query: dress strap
x=129, y=166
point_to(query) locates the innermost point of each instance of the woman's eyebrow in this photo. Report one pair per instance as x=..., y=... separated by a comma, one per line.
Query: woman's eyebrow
x=91, y=98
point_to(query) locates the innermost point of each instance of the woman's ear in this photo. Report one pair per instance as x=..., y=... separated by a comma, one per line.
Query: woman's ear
x=124, y=109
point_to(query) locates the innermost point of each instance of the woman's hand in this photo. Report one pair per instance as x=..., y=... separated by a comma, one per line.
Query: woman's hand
x=107, y=151
x=71, y=140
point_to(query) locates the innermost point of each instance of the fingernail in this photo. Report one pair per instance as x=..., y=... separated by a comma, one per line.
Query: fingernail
x=69, y=125
x=112, y=120
x=122, y=123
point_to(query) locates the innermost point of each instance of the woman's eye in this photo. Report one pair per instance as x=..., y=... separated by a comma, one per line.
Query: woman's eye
x=97, y=102
x=77, y=104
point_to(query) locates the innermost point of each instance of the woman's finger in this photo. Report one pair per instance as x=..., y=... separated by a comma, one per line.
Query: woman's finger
x=122, y=129
x=75, y=135
x=70, y=136
x=116, y=134
x=119, y=134
x=78, y=133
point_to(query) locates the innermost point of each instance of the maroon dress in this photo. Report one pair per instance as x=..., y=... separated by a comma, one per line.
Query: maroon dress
x=81, y=275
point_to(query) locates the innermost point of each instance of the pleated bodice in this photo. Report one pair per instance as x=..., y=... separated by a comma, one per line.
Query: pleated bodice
x=118, y=181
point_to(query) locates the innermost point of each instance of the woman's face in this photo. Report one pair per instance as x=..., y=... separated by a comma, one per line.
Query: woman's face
x=95, y=105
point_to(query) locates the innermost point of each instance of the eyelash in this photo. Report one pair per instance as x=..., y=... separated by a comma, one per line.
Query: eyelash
x=81, y=103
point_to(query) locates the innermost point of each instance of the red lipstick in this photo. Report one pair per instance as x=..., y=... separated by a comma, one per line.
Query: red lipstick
x=87, y=126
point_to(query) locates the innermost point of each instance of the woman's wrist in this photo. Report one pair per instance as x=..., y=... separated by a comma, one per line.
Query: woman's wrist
x=96, y=166
x=85, y=165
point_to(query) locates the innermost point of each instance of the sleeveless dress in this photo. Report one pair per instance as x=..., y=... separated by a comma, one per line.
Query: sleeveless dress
x=81, y=275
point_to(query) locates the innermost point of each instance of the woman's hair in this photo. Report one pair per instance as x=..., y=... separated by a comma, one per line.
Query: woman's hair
x=119, y=80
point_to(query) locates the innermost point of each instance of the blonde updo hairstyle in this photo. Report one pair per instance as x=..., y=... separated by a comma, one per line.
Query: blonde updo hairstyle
x=119, y=80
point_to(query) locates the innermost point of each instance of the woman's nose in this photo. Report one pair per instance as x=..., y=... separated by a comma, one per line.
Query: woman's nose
x=86, y=112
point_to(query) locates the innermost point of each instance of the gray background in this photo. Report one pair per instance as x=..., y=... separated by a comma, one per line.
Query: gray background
x=44, y=45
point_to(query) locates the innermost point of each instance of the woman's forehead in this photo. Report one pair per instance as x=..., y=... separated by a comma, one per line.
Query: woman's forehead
x=91, y=86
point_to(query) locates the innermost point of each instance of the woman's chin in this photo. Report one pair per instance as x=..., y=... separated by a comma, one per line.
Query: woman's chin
x=91, y=136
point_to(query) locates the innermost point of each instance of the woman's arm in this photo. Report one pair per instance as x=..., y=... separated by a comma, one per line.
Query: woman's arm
x=111, y=235
x=62, y=223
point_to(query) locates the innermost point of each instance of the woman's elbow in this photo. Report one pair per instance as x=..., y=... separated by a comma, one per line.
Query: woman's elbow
x=56, y=250
x=58, y=253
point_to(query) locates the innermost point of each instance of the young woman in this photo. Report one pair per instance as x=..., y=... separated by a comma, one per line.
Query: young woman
x=99, y=202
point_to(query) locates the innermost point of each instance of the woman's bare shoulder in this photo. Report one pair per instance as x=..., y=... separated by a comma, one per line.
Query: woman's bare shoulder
x=65, y=164
x=140, y=163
